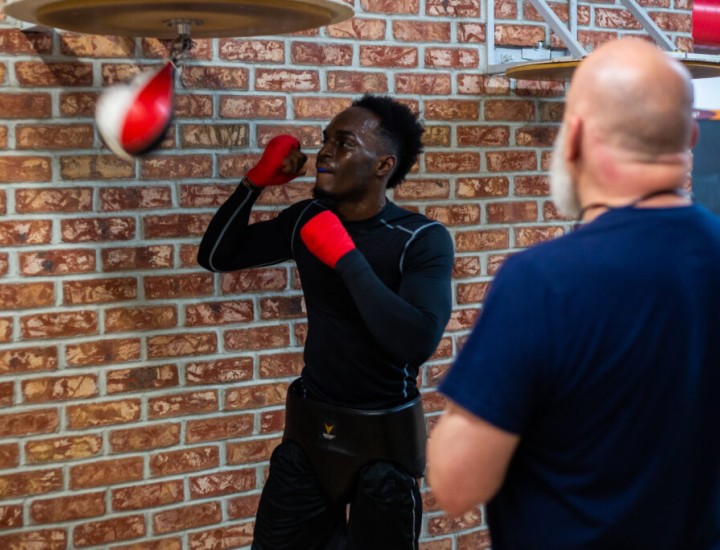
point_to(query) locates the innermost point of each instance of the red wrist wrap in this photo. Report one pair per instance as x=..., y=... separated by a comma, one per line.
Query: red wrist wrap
x=326, y=238
x=268, y=170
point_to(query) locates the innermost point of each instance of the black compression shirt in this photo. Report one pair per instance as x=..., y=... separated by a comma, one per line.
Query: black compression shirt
x=375, y=318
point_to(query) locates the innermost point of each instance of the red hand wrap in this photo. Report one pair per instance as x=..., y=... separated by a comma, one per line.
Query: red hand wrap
x=268, y=170
x=326, y=238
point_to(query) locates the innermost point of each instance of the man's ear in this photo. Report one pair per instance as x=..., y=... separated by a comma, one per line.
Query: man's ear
x=573, y=143
x=386, y=165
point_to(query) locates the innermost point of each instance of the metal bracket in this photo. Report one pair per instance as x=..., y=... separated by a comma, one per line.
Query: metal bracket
x=649, y=25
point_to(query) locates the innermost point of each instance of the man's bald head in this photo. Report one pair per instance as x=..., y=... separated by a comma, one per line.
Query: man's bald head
x=636, y=97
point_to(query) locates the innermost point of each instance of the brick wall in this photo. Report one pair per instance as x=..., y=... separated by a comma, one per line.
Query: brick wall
x=141, y=396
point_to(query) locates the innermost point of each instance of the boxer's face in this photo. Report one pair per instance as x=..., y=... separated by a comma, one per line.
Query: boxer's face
x=348, y=160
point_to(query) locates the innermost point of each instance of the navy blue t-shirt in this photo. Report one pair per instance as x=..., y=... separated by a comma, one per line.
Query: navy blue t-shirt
x=601, y=349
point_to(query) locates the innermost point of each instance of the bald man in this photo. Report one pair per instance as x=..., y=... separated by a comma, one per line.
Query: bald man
x=584, y=407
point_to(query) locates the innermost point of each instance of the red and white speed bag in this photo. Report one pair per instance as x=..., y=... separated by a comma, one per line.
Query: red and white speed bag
x=132, y=118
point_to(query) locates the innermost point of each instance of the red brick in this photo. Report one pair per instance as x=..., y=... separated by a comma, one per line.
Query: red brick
x=140, y=318
x=475, y=32
x=15, y=41
x=178, y=286
x=405, y=30
x=26, y=295
x=158, y=48
x=436, y=136
x=90, y=415
x=77, y=104
x=452, y=162
x=21, y=169
x=54, y=136
x=356, y=82
x=135, y=198
x=483, y=136
x=141, y=379
x=243, y=507
x=63, y=448
x=95, y=167
x=106, y=472
x=252, y=51
x=529, y=236
x=317, y=54
x=9, y=455
x=60, y=509
x=593, y=39
x=286, y=80
x=276, y=336
x=453, y=8
x=6, y=329
x=455, y=58
x=194, y=105
x=46, y=74
x=173, y=225
x=511, y=161
x=187, y=517
x=215, y=136
x=551, y=111
x=358, y=28
x=103, y=352
x=135, y=258
x=7, y=394
x=93, y=291
x=250, y=280
x=272, y=421
x=185, y=460
x=535, y=136
x=388, y=56
x=152, y=495
x=281, y=365
x=176, y=167
x=97, y=229
x=45, y=539
x=220, y=371
x=518, y=35
x=509, y=110
x=34, y=482
x=144, y=438
x=256, y=396
x=391, y=6
x=109, y=530
x=25, y=105
x=512, y=212
x=455, y=214
x=26, y=423
x=423, y=84
x=57, y=388
x=253, y=107
x=223, y=427
x=477, y=540
x=471, y=293
x=282, y=307
x=57, y=262
x=494, y=263
x=245, y=452
x=423, y=189
x=672, y=21
x=182, y=404
x=11, y=516
x=214, y=78
x=181, y=345
x=173, y=543
x=59, y=325
x=222, y=483
x=537, y=186
x=539, y=88
x=85, y=45
x=229, y=536
x=32, y=359
x=478, y=241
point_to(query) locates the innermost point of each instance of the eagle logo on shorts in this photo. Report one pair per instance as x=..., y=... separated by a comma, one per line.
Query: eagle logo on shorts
x=328, y=431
